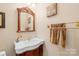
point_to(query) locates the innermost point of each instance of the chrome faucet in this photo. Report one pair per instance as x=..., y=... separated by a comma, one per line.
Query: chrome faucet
x=17, y=40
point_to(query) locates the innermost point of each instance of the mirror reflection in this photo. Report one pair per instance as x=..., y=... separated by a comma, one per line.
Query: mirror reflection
x=26, y=20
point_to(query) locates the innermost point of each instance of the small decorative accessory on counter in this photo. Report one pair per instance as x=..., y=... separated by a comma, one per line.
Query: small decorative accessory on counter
x=19, y=38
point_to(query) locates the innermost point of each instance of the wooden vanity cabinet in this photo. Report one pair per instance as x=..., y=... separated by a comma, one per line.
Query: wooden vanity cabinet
x=36, y=52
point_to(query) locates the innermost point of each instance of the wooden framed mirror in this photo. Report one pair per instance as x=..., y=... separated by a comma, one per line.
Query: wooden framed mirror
x=26, y=20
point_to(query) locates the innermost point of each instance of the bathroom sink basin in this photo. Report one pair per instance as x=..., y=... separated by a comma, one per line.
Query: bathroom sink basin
x=27, y=45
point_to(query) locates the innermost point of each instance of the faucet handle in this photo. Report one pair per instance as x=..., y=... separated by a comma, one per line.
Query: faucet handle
x=17, y=40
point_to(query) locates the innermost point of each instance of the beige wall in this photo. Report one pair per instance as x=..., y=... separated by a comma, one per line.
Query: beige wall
x=66, y=13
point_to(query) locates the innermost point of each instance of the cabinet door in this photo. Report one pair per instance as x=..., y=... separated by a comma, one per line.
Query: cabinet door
x=41, y=50
x=36, y=52
x=29, y=53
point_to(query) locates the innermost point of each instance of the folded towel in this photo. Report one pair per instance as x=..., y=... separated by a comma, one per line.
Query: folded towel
x=55, y=31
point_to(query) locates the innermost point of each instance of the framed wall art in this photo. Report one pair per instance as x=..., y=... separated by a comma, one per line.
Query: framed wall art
x=2, y=20
x=52, y=9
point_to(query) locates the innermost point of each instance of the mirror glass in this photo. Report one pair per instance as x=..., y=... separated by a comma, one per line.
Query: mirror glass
x=26, y=20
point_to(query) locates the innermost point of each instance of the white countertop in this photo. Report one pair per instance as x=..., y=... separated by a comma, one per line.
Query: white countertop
x=27, y=45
